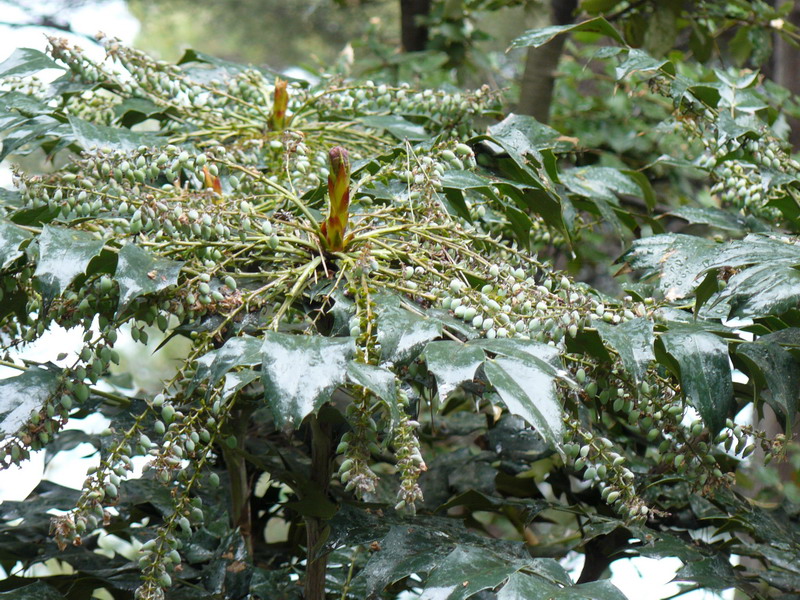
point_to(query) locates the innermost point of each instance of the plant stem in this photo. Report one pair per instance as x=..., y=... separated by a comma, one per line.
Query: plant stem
x=240, y=485
x=321, y=469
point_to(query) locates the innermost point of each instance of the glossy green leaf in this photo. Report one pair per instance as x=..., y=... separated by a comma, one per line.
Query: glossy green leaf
x=681, y=260
x=23, y=104
x=135, y=110
x=465, y=180
x=139, y=272
x=544, y=356
x=377, y=380
x=528, y=390
x=526, y=134
x=768, y=289
x=452, y=364
x=715, y=217
x=34, y=591
x=399, y=127
x=639, y=61
x=63, y=255
x=466, y=571
x=26, y=61
x=29, y=134
x=677, y=258
x=539, y=37
x=21, y=394
x=11, y=237
x=91, y=135
x=404, y=550
x=236, y=380
x=10, y=198
x=300, y=372
x=402, y=334
x=605, y=183
x=240, y=351
x=705, y=373
x=522, y=586
x=633, y=340
x=714, y=573
x=781, y=373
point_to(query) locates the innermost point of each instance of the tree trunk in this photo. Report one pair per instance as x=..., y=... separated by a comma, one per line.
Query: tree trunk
x=414, y=34
x=321, y=471
x=538, y=80
x=786, y=66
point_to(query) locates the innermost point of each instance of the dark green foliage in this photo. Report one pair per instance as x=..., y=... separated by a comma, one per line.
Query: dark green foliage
x=396, y=405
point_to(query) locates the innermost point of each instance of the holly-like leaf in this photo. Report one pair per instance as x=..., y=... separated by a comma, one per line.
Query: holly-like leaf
x=539, y=37
x=767, y=289
x=399, y=127
x=633, y=340
x=522, y=586
x=468, y=570
x=34, y=591
x=300, y=372
x=243, y=350
x=715, y=217
x=528, y=390
x=600, y=182
x=681, y=261
x=63, y=255
x=139, y=272
x=452, y=364
x=781, y=373
x=639, y=61
x=23, y=133
x=377, y=380
x=21, y=394
x=91, y=135
x=404, y=550
x=26, y=61
x=11, y=237
x=705, y=373
x=402, y=334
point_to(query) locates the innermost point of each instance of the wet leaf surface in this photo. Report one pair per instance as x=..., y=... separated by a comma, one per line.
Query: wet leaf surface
x=21, y=394
x=140, y=272
x=300, y=372
x=63, y=255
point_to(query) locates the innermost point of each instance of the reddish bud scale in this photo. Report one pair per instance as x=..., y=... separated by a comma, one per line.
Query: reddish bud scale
x=334, y=227
x=212, y=181
x=277, y=120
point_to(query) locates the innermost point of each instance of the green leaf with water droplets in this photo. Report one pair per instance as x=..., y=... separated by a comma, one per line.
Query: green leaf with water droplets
x=633, y=340
x=452, y=364
x=466, y=571
x=63, y=255
x=539, y=37
x=26, y=61
x=21, y=394
x=11, y=237
x=705, y=373
x=300, y=372
x=91, y=135
x=139, y=272
x=528, y=390
x=522, y=586
x=775, y=367
x=402, y=334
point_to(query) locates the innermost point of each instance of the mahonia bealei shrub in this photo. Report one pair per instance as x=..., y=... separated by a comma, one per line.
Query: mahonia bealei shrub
x=219, y=219
x=750, y=166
